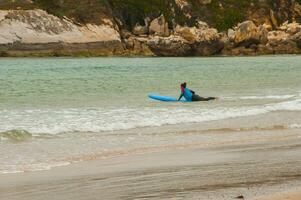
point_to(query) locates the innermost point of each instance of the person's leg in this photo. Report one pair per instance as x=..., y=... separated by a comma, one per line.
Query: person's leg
x=198, y=98
x=210, y=98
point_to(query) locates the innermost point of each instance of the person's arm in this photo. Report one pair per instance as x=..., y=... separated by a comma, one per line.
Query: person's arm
x=181, y=96
x=192, y=91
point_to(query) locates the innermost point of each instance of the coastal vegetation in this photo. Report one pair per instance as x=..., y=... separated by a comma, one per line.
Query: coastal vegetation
x=227, y=14
x=220, y=14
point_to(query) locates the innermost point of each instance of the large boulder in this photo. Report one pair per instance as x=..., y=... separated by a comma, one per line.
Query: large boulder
x=247, y=33
x=290, y=28
x=194, y=34
x=169, y=46
x=205, y=41
x=280, y=42
x=137, y=46
x=188, y=33
x=284, y=47
x=159, y=27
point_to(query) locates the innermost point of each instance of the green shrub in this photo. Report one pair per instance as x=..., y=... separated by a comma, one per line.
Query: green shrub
x=135, y=11
x=83, y=11
x=16, y=4
x=229, y=15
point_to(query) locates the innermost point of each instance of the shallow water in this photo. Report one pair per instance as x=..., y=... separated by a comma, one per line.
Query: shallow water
x=252, y=168
x=57, y=111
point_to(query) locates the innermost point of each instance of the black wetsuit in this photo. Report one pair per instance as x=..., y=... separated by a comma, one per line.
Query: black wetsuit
x=198, y=98
x=195, y=97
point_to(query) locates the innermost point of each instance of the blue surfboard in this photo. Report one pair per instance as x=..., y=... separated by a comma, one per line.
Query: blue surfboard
x=164, y=98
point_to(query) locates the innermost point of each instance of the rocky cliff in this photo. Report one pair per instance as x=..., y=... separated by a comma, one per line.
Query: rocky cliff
x=151, y=28
x=35, y=32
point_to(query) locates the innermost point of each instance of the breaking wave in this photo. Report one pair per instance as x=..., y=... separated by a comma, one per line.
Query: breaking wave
x=18, y=125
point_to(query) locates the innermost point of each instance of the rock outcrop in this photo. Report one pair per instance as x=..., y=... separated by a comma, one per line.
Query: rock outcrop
x=37, y=32
x=159, y=27
x=205, y=41
x=138, y=46
x=247, y=34
x=185, y=41
x=169, y=46
x=249, y=39
x=194, y=34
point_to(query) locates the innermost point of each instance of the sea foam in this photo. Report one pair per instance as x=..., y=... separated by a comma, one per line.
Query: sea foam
x=55, y=121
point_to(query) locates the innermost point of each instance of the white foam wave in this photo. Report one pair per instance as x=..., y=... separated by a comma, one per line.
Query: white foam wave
x=12, y=169
x=105, y=119
x=265, y=97
x=295, y=126
x=294, y=105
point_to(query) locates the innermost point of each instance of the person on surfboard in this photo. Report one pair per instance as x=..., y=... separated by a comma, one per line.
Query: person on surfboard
x=190, y=95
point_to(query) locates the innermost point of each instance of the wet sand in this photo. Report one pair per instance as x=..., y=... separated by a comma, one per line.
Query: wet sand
x=291, y=195
x=225, y=171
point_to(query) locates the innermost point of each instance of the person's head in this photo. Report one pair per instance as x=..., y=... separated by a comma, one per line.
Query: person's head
x=183, y=85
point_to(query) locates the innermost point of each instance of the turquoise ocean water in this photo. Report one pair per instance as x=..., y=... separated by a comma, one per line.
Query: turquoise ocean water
x=51, y=109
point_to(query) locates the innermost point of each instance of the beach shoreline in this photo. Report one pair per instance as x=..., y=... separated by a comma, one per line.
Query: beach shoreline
x=85, y=129
x=221, y=172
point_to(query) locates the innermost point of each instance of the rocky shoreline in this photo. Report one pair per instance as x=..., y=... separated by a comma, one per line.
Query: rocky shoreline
x=38, y=33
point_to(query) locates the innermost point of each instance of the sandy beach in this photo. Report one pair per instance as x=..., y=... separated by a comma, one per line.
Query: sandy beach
x=252, y=169
x=290, y=195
